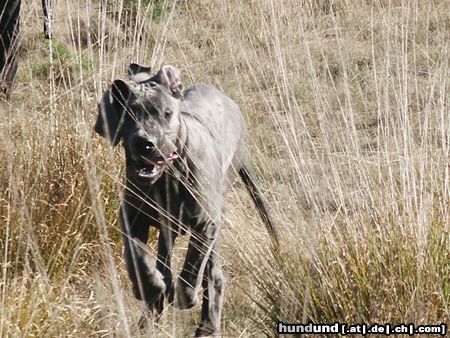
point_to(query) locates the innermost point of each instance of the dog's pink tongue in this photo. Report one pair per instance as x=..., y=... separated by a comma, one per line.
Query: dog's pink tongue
x=171, y=157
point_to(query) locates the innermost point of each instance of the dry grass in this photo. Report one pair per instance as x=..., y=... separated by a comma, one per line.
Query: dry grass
x=348, y=108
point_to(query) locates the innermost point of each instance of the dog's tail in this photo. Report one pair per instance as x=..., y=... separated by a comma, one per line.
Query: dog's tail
x=261, y=205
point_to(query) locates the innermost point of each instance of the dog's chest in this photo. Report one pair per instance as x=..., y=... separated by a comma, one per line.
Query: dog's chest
x=174, y=202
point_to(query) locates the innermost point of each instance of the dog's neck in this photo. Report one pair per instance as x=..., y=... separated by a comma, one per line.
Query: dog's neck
x=181, y=163
x=182, y=139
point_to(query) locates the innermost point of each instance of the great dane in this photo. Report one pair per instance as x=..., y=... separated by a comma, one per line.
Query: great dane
x=184, y=149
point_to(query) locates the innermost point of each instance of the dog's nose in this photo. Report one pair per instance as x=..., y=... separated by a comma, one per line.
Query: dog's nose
x=144, y=147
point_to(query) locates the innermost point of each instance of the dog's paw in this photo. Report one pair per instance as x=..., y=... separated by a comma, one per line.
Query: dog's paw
x=186, y=295
x=206, y=330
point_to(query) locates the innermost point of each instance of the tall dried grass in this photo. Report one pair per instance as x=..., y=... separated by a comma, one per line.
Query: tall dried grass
x=348, y=112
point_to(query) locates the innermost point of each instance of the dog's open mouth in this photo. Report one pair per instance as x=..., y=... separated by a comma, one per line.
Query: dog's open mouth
x=149, y=168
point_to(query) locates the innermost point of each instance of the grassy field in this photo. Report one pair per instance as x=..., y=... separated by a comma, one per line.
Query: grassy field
x=348, y=109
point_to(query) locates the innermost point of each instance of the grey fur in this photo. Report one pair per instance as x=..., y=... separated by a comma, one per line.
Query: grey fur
x=183, y=151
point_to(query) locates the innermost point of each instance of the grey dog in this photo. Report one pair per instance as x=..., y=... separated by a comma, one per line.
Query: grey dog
x=184, y=149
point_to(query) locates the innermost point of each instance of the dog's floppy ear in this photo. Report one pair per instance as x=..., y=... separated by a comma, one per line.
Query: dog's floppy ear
x=139, y=73
x=170, y=77
x=112, y=111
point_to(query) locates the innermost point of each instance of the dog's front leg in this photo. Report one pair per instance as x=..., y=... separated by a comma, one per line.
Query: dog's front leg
x=200, y=245
x=166, y=240
x=147, y=281
x=213, y=293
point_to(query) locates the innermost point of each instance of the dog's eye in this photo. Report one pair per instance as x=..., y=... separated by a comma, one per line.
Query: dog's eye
x=167, y=114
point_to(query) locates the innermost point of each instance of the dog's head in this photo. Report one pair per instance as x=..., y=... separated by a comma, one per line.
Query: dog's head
x=144, y=112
